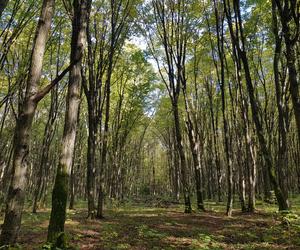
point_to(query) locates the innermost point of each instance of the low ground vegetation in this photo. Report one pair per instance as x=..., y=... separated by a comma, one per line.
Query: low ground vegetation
x=159, y=224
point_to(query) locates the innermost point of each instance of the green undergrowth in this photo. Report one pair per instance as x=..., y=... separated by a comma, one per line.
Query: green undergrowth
x=163, y=225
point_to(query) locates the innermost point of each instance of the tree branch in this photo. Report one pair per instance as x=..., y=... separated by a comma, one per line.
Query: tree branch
x=43, y=92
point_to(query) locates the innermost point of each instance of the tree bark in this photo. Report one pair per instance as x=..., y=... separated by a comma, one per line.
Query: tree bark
x=221, y=81
x=183, y=165
x=282, y=160
x=194, y=146
x=281, y=199
x=16, y=193
x=61, y=185
x=47, y=139
x=290, y=20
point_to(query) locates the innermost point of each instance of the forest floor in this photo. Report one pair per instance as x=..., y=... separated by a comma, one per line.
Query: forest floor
x=138, y=227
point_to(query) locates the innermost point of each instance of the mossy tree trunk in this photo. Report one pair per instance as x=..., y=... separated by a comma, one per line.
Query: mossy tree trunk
x=61, y=185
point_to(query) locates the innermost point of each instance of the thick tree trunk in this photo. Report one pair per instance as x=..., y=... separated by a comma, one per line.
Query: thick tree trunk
x=61, y=185
x=16, y=193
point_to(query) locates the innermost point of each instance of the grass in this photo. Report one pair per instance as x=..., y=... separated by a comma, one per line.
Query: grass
x=139, y=227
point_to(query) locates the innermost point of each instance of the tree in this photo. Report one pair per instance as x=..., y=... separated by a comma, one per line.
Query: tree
x=238, y=40
x=61, y=184
x=171, y=23
x=221, y=81
x=16, y=193
x=290, y=21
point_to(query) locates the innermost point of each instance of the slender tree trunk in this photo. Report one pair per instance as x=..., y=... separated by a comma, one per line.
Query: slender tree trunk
x=47, y=139
x=183, y=165
x=290, y=19
x=242, y=193
x=282, y=160
x=16, y=193
x=91, y=156
x=176, y=168
x=61, y=184
x=72, y=187
x=75, y=187
x=194, y=146
x=221, y=80
x=252, y=175
x=281, y=199
x=91, y=93
x=103, y=162
x=214, y=126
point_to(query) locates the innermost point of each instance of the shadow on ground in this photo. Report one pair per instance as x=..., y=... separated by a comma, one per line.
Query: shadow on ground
x=165, y=228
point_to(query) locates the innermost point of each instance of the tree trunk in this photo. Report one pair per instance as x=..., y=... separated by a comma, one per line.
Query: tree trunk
x=103, y=162
x=221, y=82
x=16, y=193
x=91, y=93
x=61, y=185
x=47, y=139
x=281, y=199
x=252, y=175
x=91, y=156
x=242, y=188
x=214, y=126
x=176, y=177
x=72, y=187
x=100, y=201
x=194, y=146
x=282, y=160
x=290, y=20
x=183, y=167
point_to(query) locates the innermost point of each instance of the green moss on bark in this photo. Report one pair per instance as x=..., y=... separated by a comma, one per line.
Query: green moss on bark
x=59, y=204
